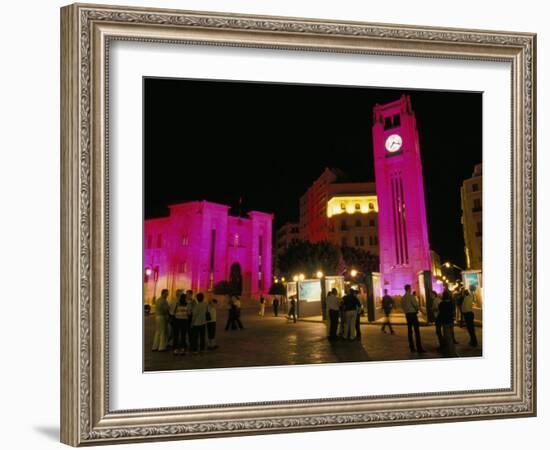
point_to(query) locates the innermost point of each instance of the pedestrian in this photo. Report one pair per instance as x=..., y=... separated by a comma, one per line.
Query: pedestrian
x=387, y=306
x=180, y=325
x=211, y=314
x=191, y=302
x=333, y=313
x=262, y=306
x=237, y=314
x=436, y=300
x=351, y=306
x=360, y=312
x=459, y=299
x=446, y=317
x=198, y=325
x=468, y=314
x=292, y=310
x=410, y=307
x=160, y=340
x=275, y=305
x=230, y=315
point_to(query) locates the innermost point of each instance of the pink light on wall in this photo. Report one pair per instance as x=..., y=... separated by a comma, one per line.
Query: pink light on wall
x=402, y=224
x=196, y=245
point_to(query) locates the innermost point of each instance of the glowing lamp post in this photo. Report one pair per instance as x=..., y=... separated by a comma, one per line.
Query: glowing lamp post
x=148, y=273
x=321, y=277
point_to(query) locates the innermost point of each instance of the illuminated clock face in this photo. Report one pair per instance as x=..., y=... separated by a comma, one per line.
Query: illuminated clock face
x=393, y=143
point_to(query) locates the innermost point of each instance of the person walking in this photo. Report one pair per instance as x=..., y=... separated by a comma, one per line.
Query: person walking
x=237, y=317
x=387, y=306
x=468, y=314
x=351, y=306
x=262, y=306
x=410, y=307
x=180, y=325
x=160, y=340
x=275, y=305
x=191, y=302
x=446, y=318
x=230, y=315
x=436, y=300
x=292, y=310
x=211, y=314
x=459, y=299
x=333, y=313
x=198, y=325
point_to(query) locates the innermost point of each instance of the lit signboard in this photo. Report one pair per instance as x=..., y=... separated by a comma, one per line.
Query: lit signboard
x=310, y=290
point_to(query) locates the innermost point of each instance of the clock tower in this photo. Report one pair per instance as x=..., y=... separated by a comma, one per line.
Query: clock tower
x=402, y=224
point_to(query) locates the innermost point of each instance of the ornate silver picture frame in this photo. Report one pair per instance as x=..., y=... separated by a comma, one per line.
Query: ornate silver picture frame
x=87, y=31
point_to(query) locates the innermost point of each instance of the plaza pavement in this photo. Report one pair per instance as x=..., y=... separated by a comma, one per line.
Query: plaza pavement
x=274, y=341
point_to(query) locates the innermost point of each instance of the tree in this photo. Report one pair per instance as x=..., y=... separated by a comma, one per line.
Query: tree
x=359, y=259
x=309, y=257
x=277, y=289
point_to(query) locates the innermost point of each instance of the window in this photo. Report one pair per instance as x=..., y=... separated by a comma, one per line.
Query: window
x=344, y=242
x=182, y=267
x=361, y=241
x=343, y=225
x=185, y=241
x=357, y=241
x=159, y=240
x=475, y=187
x=371, y=241
x=149, y=241
x=343, y=206
x=372, y=223
x=212, y=251
x=396, y=120
x=358, y=222
x=392, y=122
x=236, y=240
x=357, y=207
x=479, y=229
x=477, y=205
x=375, y=240
x=371, y=206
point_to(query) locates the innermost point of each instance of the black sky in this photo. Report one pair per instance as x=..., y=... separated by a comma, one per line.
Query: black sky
x=267, y=143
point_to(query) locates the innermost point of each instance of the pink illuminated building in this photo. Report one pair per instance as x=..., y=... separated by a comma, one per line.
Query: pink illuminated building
x=402, y=223
x=198, y=244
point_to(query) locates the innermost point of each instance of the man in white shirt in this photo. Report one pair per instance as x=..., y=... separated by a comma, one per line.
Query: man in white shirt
x=410, y=307
x=333, y=313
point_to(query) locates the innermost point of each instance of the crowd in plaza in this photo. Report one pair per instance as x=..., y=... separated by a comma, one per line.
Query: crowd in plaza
x=344, y=317
x=189, y=322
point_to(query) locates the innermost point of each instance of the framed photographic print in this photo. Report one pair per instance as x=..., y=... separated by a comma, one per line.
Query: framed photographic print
x=276, y=225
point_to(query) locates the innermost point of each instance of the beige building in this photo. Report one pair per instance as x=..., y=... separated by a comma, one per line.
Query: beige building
x=345, y=214
x=285, y=235
x=472, y=214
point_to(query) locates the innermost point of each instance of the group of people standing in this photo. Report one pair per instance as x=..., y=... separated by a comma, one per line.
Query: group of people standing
x=447, y=308
x=444, y=309
x=187, y=323
x=345, y=312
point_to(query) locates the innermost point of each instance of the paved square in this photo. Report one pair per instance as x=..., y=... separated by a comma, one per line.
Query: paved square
x=275, y=341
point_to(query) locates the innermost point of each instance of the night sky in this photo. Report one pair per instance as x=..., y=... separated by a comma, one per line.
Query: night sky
x=267, y=143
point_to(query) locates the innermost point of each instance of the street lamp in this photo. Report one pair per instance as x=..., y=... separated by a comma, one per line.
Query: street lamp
x=319, y=274
x=301, y=277
x=448, y=265
x=353, y=273
x=295, y=277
